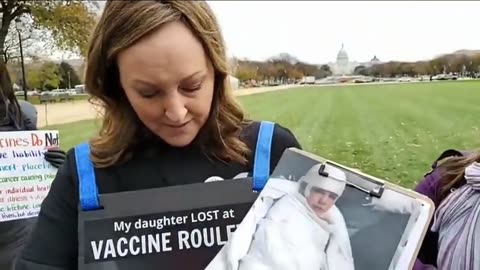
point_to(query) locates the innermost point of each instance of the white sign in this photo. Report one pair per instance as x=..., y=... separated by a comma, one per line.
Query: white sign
x=25, y=176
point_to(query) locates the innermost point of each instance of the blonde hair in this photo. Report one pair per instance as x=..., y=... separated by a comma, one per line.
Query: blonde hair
x=121, y=25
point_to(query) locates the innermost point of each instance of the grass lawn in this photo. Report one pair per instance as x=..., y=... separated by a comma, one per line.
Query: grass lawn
x=390, y=131
x=74, y=133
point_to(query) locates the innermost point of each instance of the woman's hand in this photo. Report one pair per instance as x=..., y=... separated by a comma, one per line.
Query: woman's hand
x=55, y=156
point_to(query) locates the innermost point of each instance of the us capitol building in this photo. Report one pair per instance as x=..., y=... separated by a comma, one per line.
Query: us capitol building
x=343, y=66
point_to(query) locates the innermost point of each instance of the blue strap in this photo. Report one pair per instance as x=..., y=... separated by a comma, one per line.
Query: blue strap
x=261, y=163
x=86, y=178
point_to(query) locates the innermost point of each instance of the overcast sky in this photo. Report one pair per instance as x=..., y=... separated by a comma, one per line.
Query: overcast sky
x=313, y=31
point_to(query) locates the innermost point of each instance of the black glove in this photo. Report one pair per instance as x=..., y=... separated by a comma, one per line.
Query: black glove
x=55, y=156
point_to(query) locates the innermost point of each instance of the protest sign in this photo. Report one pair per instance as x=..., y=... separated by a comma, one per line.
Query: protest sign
x=25, y=176
x=180, y=227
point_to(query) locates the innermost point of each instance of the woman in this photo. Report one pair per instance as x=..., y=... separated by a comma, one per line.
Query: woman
x=453, y=186
x=159, y=70
x=17, y=116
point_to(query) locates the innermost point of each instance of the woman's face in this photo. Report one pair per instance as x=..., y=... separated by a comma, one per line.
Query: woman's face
x=169, y=82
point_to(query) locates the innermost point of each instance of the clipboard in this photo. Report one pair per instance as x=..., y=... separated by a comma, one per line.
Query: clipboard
x=383, y=235
x=416, y=226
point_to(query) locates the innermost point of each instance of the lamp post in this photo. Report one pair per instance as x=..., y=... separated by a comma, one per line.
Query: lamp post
x=19, y=26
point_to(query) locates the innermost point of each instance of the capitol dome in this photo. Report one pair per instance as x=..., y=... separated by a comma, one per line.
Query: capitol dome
x=342, y=55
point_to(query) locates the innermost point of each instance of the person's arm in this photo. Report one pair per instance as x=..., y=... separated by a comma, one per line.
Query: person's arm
x=53, y=243
x=428, y=186
x=29, y=113
x=55, y=156
x=418, y=265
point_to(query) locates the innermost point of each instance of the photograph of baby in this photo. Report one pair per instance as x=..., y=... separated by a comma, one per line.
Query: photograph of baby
x=293, y=225
x=309, y=216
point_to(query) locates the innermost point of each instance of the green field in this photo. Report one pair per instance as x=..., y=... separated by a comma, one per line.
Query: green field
x=390, y=131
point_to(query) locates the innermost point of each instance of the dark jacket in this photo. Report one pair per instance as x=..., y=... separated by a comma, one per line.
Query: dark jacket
x=54, y=242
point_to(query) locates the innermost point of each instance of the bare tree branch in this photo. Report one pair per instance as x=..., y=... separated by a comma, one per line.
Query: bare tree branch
x=10, y=3
x=4, y=4
x=11, y=48
x=20, y=9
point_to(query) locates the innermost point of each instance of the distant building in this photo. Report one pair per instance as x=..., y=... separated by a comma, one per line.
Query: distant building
x=374, y=61
x=343, y=66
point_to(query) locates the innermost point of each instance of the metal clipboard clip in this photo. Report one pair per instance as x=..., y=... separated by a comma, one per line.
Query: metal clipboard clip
x=370, y=186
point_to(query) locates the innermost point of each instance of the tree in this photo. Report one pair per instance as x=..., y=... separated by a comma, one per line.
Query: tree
x=422, y=68
x=377, y=70
x=270, y=72
x=46, y=77
x=476, y=63
x=360, y=70
x=438, y=65
x=326, y=68
x=307, y=69
x=68, y=76
x=294, y=74
x=245, y=73
x=458, y=62
x=281, y=71
x=65, y=25
x=322, y=72
x=30, y=43
x=284, y=57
